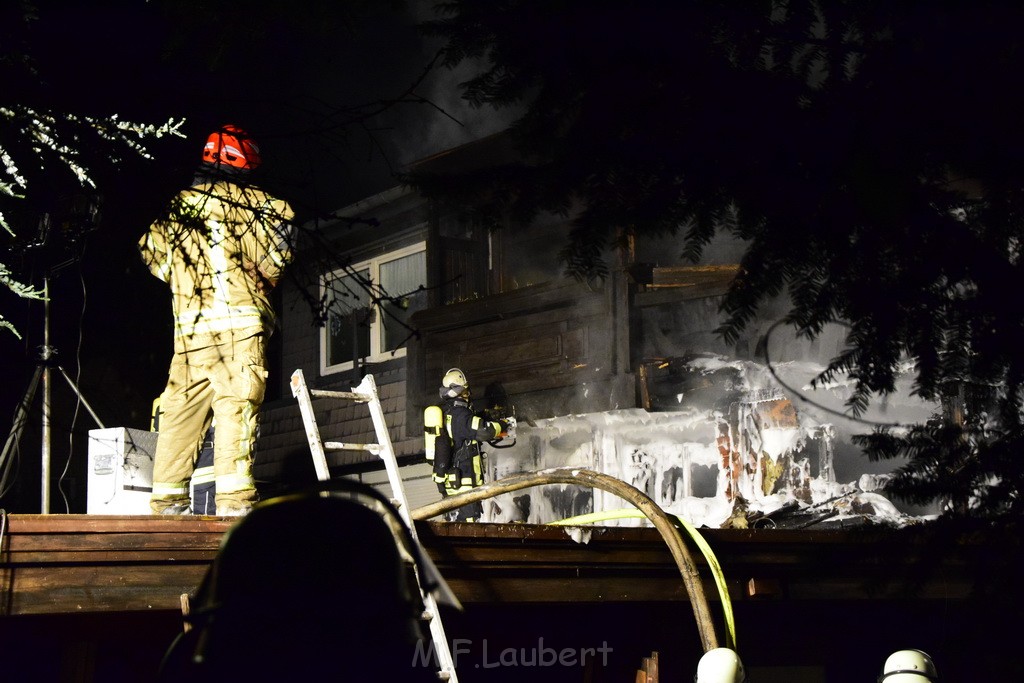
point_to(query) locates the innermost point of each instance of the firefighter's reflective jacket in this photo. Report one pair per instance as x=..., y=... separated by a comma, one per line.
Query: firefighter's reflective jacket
x=220, y=248
x=454, y=444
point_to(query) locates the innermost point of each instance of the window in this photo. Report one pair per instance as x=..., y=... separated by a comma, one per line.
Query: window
x=368, y=306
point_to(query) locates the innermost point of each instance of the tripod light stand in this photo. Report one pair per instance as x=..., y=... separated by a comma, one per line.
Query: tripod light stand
x=44, y=367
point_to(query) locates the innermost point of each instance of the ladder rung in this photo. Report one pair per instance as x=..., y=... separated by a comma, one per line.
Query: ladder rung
x=338, y=446
x=367, y=393
x=350, y=395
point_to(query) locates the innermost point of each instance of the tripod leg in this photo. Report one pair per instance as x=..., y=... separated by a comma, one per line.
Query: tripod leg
x=20, y=418
x=78, y=393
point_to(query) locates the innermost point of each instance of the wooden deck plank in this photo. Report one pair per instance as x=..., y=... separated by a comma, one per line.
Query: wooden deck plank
x=65, y=564
x=46, y=590
x=116, y=524
x=52, y=564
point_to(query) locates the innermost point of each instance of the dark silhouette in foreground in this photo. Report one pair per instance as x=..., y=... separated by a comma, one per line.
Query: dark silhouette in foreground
x=316, y=582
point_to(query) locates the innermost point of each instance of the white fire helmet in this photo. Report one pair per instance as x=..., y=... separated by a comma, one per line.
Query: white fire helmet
x=454, y=383
x=720, y=665
x=908, y=666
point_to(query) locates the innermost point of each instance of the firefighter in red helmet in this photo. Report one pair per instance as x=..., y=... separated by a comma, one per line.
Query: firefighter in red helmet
x=231, y=146
x=221, y=246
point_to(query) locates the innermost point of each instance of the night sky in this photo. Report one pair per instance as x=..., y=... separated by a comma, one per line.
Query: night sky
x=312, y=87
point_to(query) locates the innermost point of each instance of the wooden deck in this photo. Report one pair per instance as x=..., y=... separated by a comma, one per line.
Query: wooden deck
x=100, y=596
x=62, y=564
x=65, y=564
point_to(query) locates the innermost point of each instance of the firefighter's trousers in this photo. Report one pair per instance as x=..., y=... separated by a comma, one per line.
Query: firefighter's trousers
x=224, y=381
x=466, y=473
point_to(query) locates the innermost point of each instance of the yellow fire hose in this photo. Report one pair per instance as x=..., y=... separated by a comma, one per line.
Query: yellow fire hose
x=661, y=520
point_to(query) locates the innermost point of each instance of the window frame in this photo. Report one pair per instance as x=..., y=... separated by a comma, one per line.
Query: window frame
x=372, y=265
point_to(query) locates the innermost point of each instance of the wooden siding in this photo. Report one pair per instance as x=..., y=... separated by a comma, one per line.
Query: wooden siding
x=540, y=345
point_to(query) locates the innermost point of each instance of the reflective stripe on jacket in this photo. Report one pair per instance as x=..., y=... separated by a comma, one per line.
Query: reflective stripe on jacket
x=221, y=247
x=467, y=432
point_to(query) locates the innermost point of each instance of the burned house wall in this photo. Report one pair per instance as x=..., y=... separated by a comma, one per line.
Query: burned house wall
x=552, y=343
x=527, y=257
x=726, y=425
x=741, y=444
x=554, y=348
x=626, y=376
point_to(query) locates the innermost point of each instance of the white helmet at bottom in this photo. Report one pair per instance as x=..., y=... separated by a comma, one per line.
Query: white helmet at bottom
x=720, y=665
x=908, y=666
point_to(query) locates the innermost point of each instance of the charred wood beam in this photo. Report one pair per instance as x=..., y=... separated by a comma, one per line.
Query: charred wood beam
x=664, y=285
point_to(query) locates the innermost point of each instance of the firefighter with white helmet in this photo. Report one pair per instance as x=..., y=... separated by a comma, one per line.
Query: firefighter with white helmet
x=221, y=247
x=908, y=666
x=720, y=665
x=454, y=434
x=454, y=384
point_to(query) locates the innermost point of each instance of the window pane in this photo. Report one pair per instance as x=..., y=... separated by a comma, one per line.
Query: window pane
x=402, y=278
x=348, y=318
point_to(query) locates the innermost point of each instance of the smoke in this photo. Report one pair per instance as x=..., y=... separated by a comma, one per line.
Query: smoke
x=445, y=120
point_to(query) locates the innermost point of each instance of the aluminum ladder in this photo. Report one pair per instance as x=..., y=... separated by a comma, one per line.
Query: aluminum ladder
x=366, y=393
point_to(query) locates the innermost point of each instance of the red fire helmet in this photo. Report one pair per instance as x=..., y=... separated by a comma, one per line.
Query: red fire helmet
x=232, y=146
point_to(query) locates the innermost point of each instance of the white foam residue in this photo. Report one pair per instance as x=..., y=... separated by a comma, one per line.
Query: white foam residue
x=687, y=458
x=579, y=534
x=780, y=441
